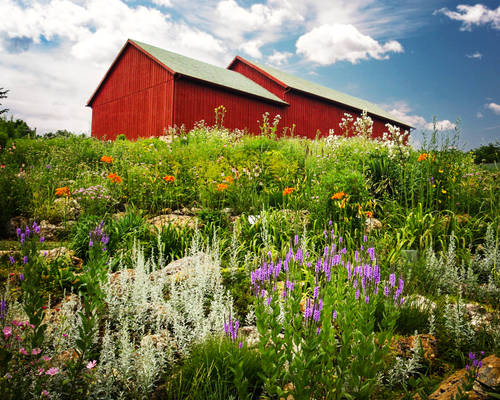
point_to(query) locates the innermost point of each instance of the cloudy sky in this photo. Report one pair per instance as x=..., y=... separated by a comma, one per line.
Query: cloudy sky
x=420, y=60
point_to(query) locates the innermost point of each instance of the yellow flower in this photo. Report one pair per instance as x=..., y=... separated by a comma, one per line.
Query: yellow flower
x=443, y=191
x=441, y=171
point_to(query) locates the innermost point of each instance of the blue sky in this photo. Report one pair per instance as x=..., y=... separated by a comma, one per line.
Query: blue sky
x=419, y=60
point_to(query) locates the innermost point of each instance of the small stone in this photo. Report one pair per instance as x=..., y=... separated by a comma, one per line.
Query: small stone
x=489, y=374
x=180, y=221
x=372, y=224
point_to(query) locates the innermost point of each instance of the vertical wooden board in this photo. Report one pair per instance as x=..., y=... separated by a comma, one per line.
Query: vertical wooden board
x=134, y=99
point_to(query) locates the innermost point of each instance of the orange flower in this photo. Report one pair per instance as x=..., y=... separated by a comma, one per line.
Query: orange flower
x=168, y=178
x=287, y=191
x=221, y=187
x=114, y=178
x=422, y=157
x=107, y=159
x=229, y=179
x=338, y=196
x=369, y=214
x=62, y=191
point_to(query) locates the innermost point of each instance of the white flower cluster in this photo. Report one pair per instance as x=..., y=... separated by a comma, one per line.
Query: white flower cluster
x=363, y=126
x=396, y=142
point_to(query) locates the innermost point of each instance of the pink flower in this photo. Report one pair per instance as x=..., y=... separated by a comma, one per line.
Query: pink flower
x=7, y=332
x=45, y=393
x=65, y=335
x=36, y=351
x=91, y=364
x=23, y=351
x=52, y=371
x=40, y=371
x=46, y=358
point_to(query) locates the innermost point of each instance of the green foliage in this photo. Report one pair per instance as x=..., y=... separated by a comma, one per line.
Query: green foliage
x=489, y=153
x=207, y=372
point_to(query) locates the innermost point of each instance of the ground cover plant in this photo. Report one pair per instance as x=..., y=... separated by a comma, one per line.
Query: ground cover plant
x=213, y=264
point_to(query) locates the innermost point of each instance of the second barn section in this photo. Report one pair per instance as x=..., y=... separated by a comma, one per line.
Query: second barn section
x=147, y=90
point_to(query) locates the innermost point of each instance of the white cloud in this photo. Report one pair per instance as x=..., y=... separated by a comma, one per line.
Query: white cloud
x=252, y=48
x=493, y=107
x=443, y=125
x=401, y=110
x=479, y=115
x=163, y=3
x=279, y=58
x=476, y=54
x=473, y=15
x=328, y=44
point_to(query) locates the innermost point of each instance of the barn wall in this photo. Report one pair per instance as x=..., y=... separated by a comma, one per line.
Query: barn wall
x=135, y=99
x=309, y=113
x=196, y=101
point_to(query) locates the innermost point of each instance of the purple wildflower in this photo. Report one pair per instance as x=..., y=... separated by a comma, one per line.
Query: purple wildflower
x=22, y=238
x=25, y=259
x=42, y=239
x=18, y=232
x=318, y=331
x=317, y=315
x=11, y=259
x=335, y=314
x=392, y=279
x=367, y=299
x=357, y=294
x=296, y=240
x=316, y=292
x=365, y=238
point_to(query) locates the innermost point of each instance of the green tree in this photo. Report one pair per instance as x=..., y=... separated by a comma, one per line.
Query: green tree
x=3, y=95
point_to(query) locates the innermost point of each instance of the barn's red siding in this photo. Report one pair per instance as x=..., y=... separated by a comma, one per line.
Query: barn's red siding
x=309, y=113
x=134, y=99
x=195, y=101
x=259, y=78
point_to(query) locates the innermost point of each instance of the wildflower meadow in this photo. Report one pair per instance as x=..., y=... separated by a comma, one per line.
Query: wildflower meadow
x=216, y=264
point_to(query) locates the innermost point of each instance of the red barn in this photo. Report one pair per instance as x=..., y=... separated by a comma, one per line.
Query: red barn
x=147, y=90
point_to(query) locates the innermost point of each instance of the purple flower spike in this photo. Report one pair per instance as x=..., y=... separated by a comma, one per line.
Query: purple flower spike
x=11, y=259
x=392, y=280
x=28, y=232
x=367, y=299
x=18, y=232
x=22, y=238
x=25, y=259
x=357, y=294
x=240, y=345
x=296, y=240
x=386, y=291
x=42, y=239
x=91, y=243
x=318, y=331
x=335, y=314
x=365, y=238
x=21, y=277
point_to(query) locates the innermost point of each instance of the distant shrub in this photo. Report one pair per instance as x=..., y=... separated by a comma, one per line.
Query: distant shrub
x=489, y=153
x=121, y=137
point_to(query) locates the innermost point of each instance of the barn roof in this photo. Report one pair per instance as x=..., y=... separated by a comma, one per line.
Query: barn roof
x=294, y=82
x=206, y=72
